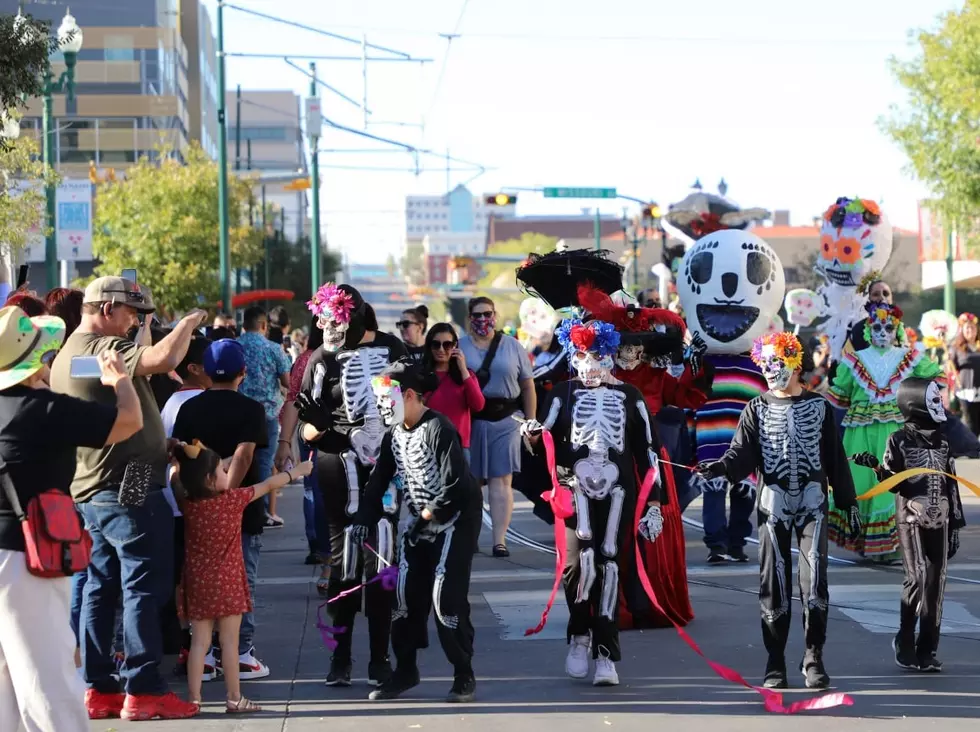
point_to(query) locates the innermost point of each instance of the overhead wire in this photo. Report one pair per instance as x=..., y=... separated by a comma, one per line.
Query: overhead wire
x=445, y=62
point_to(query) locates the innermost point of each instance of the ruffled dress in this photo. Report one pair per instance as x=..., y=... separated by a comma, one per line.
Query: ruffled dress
x=866, y=385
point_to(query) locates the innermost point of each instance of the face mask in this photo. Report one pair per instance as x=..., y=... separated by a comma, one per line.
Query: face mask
x=334, y=333
x=934, y=403
x=883, y=335
x=390, y=400
x=592, y=369
x=775, y=371
x=629, y=357
x=483, y=326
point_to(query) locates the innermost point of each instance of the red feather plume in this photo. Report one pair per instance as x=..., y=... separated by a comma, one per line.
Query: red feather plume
x=630, y=320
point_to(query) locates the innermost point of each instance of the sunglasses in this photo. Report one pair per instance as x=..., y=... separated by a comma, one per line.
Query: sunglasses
x=482, y=315
x=444, y=345
x=403, y=324
x=48, y=358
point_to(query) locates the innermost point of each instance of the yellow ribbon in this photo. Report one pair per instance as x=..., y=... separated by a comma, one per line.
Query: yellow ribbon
x=889, y=483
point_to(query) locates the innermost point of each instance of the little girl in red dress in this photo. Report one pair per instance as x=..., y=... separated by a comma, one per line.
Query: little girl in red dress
x=213, y=586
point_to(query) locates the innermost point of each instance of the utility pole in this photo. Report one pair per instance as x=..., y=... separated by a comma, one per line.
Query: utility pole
x=598, y=230
x=238, y=128
x=223, y=259
x=265, y=241
x=316, y=260
x=949, y=294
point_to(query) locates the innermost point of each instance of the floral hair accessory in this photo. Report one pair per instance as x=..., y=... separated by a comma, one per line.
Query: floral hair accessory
x=384, y=383
x=852, y=213
x=869, y=281
x=596, y=336
x=786, y=346
x=882, y=311
x=966, y=318
x=331, y=300
x=910, y=335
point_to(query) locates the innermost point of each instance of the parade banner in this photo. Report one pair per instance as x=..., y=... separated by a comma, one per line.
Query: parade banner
x=73, y=216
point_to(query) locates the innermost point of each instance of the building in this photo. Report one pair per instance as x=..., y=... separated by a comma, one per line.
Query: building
x=267, y=140
x=439, y=248
x=145, y=78
x=457, y=211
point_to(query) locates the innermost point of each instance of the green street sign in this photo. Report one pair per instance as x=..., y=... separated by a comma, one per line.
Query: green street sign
x=579, y=192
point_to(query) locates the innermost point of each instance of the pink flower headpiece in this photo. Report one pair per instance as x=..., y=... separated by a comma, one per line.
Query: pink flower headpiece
x=331, y=300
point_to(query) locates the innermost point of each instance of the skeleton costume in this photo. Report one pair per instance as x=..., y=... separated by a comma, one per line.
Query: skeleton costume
x=794, y=443
x=866, y=385
x=929, y=516
x=605, y=449
x=338, y=401
x=435, y=556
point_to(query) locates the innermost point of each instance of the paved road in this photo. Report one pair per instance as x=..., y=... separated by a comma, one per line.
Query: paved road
x=522, y=686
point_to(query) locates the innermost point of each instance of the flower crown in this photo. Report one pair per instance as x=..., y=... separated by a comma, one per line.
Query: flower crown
x=595, y=336
x=868, y=281
x=786, y=346
x=882, y=312
x=966, y=318
x=384, y=383
x=852, y=212
x=330, y=299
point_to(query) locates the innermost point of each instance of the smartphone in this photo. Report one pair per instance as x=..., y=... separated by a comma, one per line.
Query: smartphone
x=129, y=274
x=22, y=274
x=85, y=367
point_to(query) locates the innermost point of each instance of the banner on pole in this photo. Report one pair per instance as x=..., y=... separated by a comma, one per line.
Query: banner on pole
x=73, y=214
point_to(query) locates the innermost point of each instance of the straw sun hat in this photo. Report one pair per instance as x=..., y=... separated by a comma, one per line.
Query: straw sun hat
x=26, y=344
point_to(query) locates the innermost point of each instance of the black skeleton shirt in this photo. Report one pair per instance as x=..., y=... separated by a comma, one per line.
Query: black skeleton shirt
x=935, y=499
x=795, y=444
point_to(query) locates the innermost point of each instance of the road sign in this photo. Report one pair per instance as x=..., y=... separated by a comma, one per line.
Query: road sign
x=579, y=192
x=313, y=118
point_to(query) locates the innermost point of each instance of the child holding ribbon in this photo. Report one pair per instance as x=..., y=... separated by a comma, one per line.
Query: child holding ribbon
x=929, y=515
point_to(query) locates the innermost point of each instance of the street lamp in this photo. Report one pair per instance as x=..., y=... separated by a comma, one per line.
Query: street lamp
x=69, y=43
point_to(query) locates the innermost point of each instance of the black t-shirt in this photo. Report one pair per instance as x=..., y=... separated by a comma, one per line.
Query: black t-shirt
x=415, y=353
x=221, y=419
x=39, y=431
x=323, y=378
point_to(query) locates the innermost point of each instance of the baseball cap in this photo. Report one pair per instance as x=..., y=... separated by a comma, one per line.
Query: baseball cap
x=224, y=358
x=118, y=290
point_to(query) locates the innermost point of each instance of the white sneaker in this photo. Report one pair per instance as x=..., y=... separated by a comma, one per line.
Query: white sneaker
x=605, y=670
x=577, y=660
x=210, y=667
x=249, y=667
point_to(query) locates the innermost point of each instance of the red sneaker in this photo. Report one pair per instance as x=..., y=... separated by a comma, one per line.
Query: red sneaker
x=158, y=706
x=103, y=706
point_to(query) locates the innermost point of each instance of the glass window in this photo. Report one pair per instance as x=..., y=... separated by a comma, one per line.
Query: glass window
x=119, y=48
x=117, y=156
x=116, y=124
x=76, y=156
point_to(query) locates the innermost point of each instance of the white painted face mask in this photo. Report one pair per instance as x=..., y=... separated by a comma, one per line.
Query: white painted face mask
x=592, y=369
x=775, y=371
x=629, y=357
x=883, y=335
x=390, y=401
x=934, y=402
x=334, y=332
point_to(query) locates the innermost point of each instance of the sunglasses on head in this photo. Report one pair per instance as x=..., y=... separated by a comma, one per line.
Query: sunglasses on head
x=403, y=324
x=483, y=314
x=444, y=345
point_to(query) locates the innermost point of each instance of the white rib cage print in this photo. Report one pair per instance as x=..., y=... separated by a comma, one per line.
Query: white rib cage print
x=789, y=436
x=599, y=420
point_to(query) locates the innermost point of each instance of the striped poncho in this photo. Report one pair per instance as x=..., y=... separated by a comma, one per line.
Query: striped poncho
x=736, y=382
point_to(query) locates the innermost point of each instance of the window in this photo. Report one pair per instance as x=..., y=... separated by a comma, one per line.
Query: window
x=116, y=156
x=275, y=134
x=116, y=124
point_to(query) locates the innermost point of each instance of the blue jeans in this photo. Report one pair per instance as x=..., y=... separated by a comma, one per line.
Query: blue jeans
x=251, y=546
x=719, y=534
x=132, y=555
x=265, y=457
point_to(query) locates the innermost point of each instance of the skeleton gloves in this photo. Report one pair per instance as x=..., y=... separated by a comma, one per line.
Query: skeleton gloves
x=693, y=353
x=314, y=411
x=652, y=524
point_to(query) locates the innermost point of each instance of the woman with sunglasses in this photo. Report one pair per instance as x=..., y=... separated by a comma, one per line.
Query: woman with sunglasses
x=964, y=356
x=458, y=395
x=412, y=327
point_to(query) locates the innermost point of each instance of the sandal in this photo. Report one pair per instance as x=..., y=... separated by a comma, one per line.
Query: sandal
x=322, y=586
x=499, y=550
x=242, y=706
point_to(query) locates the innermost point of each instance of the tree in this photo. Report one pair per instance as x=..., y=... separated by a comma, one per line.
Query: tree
x=290, y=270
x=162, y=219
x=939, y=127
x=498, y=275
x=22, y=200
x=411, y=265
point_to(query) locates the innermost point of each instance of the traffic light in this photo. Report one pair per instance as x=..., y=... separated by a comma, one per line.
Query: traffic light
x=651, y=212
x=500, y=199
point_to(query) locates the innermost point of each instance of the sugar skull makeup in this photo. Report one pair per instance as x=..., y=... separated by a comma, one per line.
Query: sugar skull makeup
x=592, y=369
x=629, y=356
x=591, y=347
x=333, y=308
x=779, y=355
x=934, y=402
x=390, y=400
x=884, y=326
x=855, y=239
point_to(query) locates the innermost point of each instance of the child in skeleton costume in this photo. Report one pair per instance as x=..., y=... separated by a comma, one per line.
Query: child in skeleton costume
x=341, y=420
x=423, y=449
x=731, y=284
x=606, y=453
x=791, y=437
x=929, y=514
x=866, y=385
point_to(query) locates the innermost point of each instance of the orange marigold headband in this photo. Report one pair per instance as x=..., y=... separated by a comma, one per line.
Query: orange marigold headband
x=786, y=346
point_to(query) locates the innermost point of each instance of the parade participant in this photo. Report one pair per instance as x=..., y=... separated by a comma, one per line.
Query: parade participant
x=412, y=327
x=341, y=420
x=866, y=385
x=645, y=334
x=790, y=436
x=876, y=290
x=930, y=516
x=422, y=448
x=731, y=284
x=964, y=355
x=606, y=454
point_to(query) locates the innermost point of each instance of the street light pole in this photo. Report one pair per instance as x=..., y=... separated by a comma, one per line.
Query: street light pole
x=316, y=258
x=70, y=43
x=949, y=293
x=224, y=264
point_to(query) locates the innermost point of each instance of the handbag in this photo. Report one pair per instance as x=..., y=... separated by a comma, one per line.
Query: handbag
x=483, y=373
x=56, y=544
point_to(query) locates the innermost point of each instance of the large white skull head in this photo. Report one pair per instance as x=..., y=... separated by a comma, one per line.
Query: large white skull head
x=592, y=369
x=730, y=285
x=855, y=239
x=538, y=318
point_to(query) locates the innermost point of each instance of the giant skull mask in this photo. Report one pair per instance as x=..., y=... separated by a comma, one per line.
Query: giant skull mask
x=339, y=311
x=853, y=244
x=731, y=283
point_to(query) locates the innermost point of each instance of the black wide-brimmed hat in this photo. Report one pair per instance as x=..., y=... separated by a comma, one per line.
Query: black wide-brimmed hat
x=555, y=277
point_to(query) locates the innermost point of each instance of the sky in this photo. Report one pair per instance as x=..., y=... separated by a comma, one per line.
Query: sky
x=780, y=99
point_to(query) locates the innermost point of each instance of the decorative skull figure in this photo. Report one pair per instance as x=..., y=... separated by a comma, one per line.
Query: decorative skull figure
x=779, y=355
x=731, y=284
x=629, y=356
x=334, y=307
x=934, y=402
x=855, y=239
x=776, y=325
x=590, y=347
x=592, y=369
x=538, y=320
x=390, y=400
x=801, y=306
x=884, y=327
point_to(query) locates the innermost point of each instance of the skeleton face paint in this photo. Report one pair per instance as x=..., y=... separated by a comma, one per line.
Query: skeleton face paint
x=629, y=356
x=390, y=400
x=774, y=369
x=934, y=402
x=334, y=332
x=334, y=307
x=883, y=335
x=592, y=369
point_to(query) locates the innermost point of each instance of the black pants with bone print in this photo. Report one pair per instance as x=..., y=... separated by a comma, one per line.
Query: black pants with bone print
x=924, y=560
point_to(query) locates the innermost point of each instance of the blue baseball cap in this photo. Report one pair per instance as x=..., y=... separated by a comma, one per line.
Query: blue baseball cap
x=224, y=358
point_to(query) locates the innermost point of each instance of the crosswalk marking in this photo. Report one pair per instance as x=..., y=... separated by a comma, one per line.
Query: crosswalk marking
x=875, y=607
x=519, y=610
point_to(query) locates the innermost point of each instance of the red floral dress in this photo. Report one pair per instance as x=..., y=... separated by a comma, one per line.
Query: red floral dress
x=213, y=584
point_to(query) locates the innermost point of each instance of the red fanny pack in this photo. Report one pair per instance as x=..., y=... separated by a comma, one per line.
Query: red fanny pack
x=57, y=545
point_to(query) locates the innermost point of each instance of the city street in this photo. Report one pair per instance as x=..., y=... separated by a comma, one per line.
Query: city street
x=521, y=681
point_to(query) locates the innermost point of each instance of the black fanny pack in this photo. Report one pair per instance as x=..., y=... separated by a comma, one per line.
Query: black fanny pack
x=498, y=409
